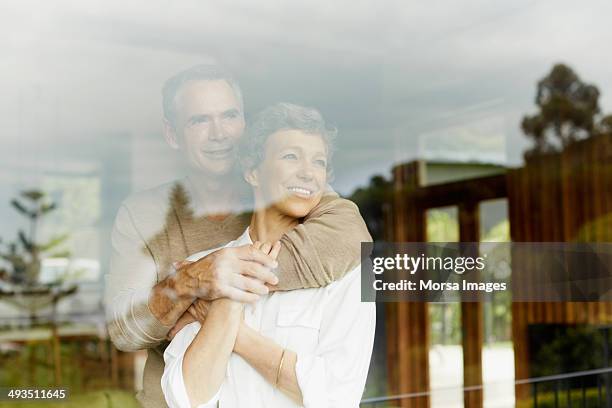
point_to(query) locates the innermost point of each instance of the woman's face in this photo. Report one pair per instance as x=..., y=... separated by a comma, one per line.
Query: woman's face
x=293, y=173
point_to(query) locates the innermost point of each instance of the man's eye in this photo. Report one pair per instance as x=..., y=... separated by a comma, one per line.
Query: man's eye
x=321, y=163
x=201, y=119
x=290, y=156
x=231, y=115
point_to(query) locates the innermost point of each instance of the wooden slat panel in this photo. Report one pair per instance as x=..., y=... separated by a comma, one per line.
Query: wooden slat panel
x=472, y=317
x=408, y=339
x=554, y=198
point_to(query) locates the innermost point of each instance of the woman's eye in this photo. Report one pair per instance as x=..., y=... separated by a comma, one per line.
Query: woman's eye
x=290, y=156
x=321, y=163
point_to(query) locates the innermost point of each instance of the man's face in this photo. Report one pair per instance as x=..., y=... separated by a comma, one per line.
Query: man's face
x=209, y=124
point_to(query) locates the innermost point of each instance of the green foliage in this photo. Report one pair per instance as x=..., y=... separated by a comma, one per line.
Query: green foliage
x=605, y=125
x=547, y=399
x=568, y=112
x=372, y=201
x=442, y=226
x=445, y=321
x=567, y=349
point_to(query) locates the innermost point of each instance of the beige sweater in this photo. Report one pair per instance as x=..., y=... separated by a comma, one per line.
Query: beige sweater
x=157, y=227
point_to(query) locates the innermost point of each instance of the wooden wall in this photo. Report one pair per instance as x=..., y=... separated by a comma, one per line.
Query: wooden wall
x=408, y=322
x=559, y=197
x=563, y=197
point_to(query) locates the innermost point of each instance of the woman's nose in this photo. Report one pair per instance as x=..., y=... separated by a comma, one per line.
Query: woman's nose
x=305, y=171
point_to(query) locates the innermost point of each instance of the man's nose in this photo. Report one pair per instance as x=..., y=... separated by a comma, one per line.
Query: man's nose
x=216, y=131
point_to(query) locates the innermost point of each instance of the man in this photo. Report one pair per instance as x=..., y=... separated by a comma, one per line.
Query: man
x=157, y=229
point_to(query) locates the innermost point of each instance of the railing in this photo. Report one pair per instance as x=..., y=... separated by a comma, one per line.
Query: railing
x=564, y=392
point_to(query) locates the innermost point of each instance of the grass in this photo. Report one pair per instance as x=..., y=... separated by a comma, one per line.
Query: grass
x=93, y=399
x=84, y=373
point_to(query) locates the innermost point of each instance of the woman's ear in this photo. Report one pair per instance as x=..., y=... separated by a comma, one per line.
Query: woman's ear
x=252, y=177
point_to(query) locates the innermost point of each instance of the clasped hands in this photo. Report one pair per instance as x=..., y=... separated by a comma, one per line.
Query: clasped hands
x=240, y=274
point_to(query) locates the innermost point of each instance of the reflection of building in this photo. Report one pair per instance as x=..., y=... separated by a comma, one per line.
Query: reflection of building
x=558, y=197
x=445, y=171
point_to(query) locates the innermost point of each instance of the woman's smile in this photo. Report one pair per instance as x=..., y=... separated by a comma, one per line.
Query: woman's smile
x=301, y=191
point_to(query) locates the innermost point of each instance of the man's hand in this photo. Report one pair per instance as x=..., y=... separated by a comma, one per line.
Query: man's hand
x=240, y=274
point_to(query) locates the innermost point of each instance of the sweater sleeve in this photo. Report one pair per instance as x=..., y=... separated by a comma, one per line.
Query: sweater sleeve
x=324, y=247
x=132, y=275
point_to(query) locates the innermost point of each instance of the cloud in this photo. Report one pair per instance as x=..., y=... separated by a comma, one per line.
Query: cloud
x=390, y=74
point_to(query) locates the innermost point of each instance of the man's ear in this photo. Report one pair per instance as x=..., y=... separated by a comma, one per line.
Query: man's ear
x=170, y=135
x=252, y=177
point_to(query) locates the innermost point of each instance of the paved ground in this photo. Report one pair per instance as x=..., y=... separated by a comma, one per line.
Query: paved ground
x=446, y=376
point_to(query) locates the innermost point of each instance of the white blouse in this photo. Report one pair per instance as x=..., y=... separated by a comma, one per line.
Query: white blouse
x=329, y=328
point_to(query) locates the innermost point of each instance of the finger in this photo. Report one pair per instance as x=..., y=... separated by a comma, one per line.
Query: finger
x=271, y=288
x=249, y=285
x=257, y=245
x=257, y=271
x=265, y=248
x=240, y=295
x=249, y=253
x=180, y=264
x=171, y=334
x=275, y=250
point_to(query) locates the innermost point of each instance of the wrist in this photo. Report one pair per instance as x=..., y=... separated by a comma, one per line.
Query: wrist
x=230, y=307
x=184, y=284
x=242, y=339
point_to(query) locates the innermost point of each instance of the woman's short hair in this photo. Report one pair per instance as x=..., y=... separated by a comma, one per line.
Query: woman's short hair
x=283, y=116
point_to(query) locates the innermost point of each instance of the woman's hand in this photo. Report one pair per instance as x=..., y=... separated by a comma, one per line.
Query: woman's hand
x=199, y=309
x=183, y=321
x=270, y=249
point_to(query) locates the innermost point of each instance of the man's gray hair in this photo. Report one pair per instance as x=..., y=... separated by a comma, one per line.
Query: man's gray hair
x=202, y=72
x=283, y=116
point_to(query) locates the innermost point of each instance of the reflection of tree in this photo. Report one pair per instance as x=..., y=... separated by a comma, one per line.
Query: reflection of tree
x=500, y=232
x=372, y=201
x=564, y=349
x=568, y=111
x=442, y=226
x=24, y=255
x=498, y=310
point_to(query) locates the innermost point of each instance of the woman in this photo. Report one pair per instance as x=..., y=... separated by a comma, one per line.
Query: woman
x=308, y=347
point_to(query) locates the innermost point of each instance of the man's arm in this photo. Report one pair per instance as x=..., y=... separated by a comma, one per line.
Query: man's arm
x=131, y=323
x=141, y=310
x=325, y=247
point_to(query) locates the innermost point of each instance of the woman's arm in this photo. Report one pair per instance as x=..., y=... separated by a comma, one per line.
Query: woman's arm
x=205, y=361
x=334, y=374
x=265, y=356
x=196, y=359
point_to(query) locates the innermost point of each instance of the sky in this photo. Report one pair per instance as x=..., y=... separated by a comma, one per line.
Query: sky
x=442, y=80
